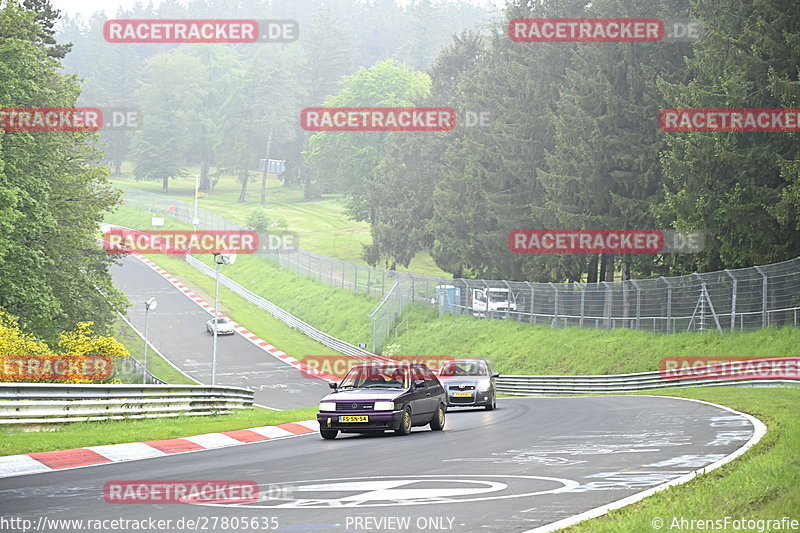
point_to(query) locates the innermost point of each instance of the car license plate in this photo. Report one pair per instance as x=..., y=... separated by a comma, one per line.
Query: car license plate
x=463, y=394
x=354, y=418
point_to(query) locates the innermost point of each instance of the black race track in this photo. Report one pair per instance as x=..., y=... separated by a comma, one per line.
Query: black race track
x=531, y=462
x=177, y=328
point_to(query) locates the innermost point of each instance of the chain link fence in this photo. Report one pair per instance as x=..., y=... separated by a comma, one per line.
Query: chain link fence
x=727, y=300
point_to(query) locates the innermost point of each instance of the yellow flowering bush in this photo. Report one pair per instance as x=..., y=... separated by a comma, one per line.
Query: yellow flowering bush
x=81, y=355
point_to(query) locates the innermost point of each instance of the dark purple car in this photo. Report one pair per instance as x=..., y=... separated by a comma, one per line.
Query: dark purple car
x=375, y=397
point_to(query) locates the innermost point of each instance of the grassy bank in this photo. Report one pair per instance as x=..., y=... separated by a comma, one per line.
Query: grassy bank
x=517, y=348
x=321, y=225
x=82, y=434
x=762, y=484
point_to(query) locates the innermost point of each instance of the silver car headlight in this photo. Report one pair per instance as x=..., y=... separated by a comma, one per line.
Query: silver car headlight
x=327, y=406
x=384, y=406
x=484, y=386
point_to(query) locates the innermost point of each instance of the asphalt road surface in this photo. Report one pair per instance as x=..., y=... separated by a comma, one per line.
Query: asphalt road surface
x=177, y=328
x=531, y=462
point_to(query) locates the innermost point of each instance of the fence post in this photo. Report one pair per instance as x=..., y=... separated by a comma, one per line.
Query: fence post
x=669, y=302
x=555, y=305
x=609, y=305
x=533, y=316
x=583, y=302
x=764, y=314
x=733, y=299
x=638, y=303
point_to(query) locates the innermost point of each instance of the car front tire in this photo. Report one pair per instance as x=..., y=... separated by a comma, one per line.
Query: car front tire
x=437, y=423
x=492, y=406
x=328, y=434
x=405, y=423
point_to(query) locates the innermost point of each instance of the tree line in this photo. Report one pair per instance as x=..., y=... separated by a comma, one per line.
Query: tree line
x=53, y=190
x=575, y=143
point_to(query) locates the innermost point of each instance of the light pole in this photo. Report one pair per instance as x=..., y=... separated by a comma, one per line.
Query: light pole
x=149, y=305
x=220, y=259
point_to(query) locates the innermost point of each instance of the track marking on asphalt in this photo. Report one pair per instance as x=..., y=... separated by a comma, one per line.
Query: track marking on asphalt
x=759, y=430
x=397, y=491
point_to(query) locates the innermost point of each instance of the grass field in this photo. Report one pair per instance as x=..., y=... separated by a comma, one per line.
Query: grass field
x=82, y=434
x=321, y=225
x=762, y=484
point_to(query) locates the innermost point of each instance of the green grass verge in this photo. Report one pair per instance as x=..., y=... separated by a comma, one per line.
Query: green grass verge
x=764, y=483
x=516, y=348
x=82, y=434
x=321, y=225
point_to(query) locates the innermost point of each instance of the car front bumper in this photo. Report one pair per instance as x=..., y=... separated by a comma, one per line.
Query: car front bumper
x=478, y=398
x=378, y=420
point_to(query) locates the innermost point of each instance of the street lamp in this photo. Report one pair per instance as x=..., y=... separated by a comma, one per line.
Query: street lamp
x=149, y=305
x=220, y=259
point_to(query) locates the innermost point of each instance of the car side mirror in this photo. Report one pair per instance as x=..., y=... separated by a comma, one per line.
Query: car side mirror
x=333, y=385
x=419, y=383
x=496, y=375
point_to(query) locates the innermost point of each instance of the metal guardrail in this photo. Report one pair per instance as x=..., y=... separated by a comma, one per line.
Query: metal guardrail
x=49, y=403
x=716, y=375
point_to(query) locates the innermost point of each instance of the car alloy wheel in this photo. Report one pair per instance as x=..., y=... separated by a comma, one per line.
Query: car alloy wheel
x=405, y=424
x=437, y=423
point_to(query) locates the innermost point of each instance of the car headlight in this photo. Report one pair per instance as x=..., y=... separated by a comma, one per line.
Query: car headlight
x=384, y=406
x=484, y=387
x=327, y=406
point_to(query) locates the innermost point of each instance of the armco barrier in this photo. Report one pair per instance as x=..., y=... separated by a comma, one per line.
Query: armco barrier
x=47, y=403
x=643, y=381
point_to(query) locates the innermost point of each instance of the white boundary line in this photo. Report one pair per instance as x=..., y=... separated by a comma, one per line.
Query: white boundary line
x=759, y=430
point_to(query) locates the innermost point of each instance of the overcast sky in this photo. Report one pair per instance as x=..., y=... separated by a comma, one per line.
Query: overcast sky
x=87, y=7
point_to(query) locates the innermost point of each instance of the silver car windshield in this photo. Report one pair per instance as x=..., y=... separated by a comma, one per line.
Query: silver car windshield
x=381, y=376
x=464, y=368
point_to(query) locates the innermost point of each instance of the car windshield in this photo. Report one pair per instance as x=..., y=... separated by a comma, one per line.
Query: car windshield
x=221, y=321
x=383, y=376
x=498, y=296
x=464, y=368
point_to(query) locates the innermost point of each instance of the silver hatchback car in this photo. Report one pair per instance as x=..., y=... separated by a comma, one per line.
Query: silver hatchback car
x=469, y=383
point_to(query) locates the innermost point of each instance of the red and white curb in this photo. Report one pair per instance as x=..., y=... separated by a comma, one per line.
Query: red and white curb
x=34, y=463
x=250, y=336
